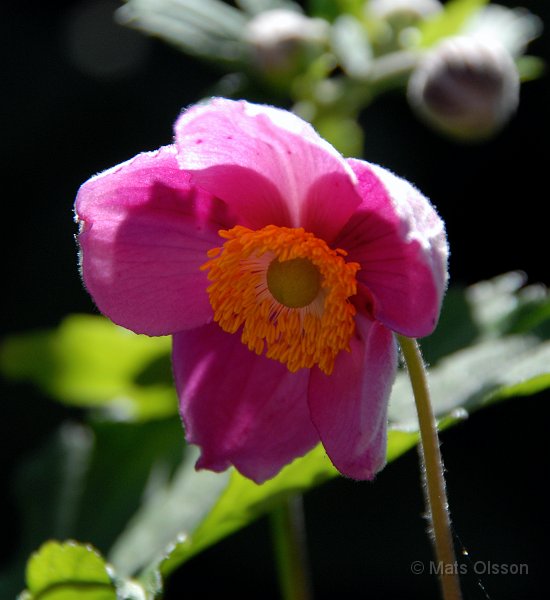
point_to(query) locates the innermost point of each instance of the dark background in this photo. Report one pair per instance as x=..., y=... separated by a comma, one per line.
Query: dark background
x=72, y=107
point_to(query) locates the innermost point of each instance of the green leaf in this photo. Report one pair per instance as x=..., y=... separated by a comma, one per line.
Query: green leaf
x=492, y=344
x=199, y=509
x=55, y=474
x=331, y=9
x=181, y=512
x=69, y=569
x=130, y=462
x=90, y=481
x=471, y=378
x=64, y=571
x=449, y=21
x=456, y=329
x=170, y=514
x=344, y=133
x=255, y=7
x=207, y=28
x=162, y=515
x=530, y=67
x=90, y=362
x=489, y=309
x=505, y=305
x=243, y=501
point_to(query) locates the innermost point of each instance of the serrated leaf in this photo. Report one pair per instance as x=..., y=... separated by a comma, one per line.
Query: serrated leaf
x=90, y=362
x=68, y=570
x=449, y=21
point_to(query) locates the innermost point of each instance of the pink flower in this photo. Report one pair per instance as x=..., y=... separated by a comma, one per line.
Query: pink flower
x=280, y=268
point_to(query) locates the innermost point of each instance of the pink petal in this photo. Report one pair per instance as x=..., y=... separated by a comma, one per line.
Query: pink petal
x=399, y=241
x=145, y=231
x=268, y=165
x=349, y=407
x=240, y=408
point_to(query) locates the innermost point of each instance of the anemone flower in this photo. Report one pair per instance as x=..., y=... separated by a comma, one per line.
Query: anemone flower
x=282, y=271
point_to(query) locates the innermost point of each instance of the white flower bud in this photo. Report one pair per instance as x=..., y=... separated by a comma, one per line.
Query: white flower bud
x=277, y=36
x=466, y=87
x=409, y=9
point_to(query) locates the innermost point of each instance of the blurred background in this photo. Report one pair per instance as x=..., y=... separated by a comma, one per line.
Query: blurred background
x=80, y=94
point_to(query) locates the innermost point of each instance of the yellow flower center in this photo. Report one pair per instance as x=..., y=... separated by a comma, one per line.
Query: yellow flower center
x=294, y=283
x=288, y=290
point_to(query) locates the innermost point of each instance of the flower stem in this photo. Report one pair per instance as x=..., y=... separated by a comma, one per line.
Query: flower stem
x=288, y=530
x=436, y=496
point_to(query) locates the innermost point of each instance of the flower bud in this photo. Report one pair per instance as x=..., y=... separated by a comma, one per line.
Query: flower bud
x=409, y=10
x=466, y=87
x=279, y=38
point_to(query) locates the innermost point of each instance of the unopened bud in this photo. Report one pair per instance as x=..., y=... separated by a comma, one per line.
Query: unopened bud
x=466, y=87
x=277, y=38
x=410, y=10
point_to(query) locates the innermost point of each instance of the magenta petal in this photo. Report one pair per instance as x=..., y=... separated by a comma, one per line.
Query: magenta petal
x=349, y=407
x=240, y=408
x=145, y=231
x=268, y=165
x=399, y=241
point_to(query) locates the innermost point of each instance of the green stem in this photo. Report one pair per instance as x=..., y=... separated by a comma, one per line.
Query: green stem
x=436, y=496
x=287, y=524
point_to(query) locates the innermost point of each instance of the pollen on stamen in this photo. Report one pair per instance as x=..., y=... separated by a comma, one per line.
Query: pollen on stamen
x=317, y=321
x=211, y=254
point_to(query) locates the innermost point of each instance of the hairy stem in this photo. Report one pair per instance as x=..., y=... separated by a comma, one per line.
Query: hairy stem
x=436, y=496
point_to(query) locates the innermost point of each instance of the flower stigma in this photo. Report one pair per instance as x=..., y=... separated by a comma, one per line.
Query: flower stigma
x=288, y=290
x=294, y=283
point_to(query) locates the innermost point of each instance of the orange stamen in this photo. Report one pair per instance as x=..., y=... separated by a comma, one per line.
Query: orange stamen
x=296, y=335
